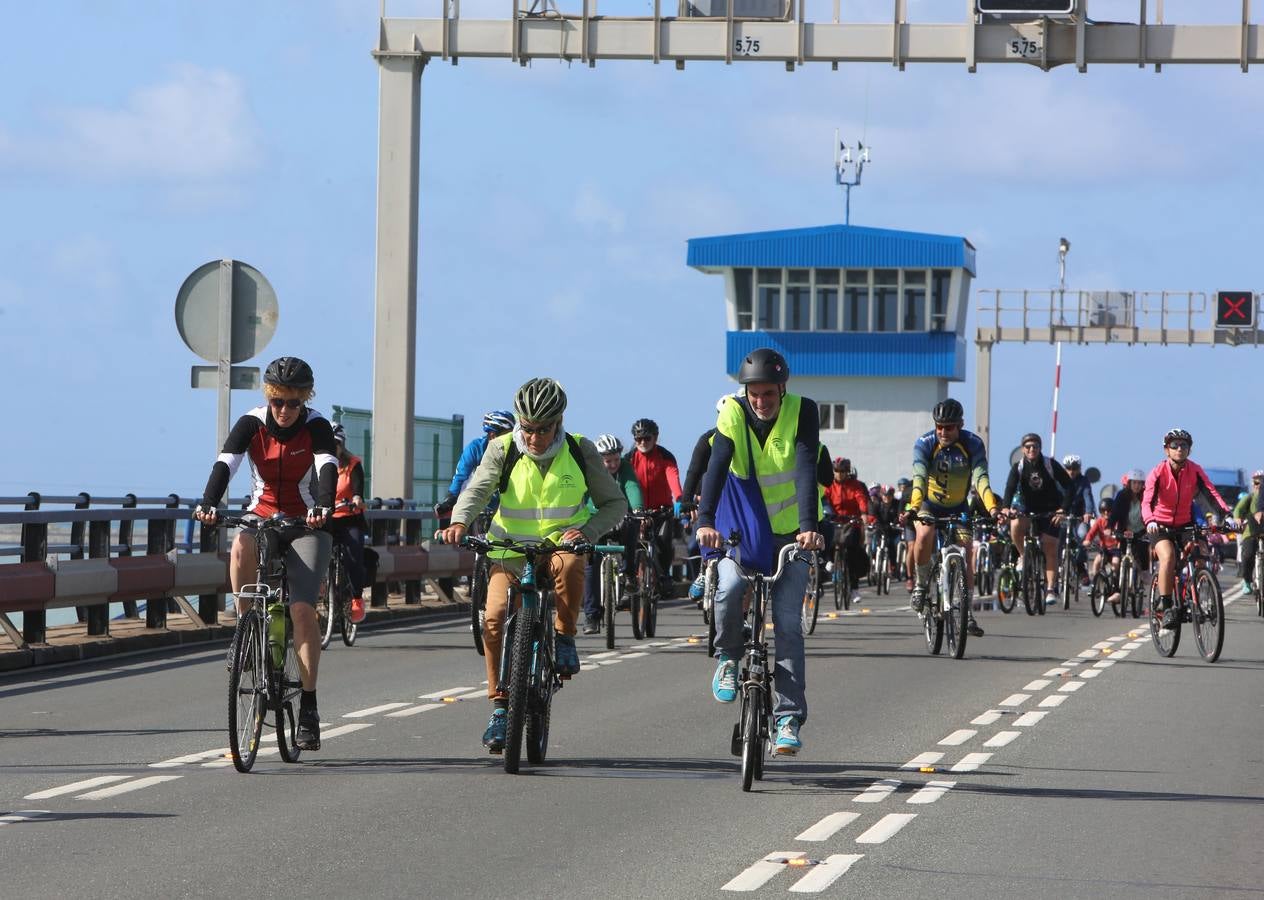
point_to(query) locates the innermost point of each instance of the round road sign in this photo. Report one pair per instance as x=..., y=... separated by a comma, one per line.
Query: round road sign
x=254, y=313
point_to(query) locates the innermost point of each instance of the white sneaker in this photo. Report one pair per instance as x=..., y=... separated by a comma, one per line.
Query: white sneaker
x=1051, y=599
x=855, y=596
x=829, y=567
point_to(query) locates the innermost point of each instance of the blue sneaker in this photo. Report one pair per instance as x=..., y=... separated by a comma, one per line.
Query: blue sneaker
x=567, y=656
x=494, y=736
x=724, y=682
x=787, y=743
x=696, y=589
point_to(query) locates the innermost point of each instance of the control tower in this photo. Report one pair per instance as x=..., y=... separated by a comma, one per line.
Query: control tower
x=870, y=320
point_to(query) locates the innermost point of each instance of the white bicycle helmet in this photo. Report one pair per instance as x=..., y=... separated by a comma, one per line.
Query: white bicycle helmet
x=1135, y=475
x=608, y=443
x=1071, y=461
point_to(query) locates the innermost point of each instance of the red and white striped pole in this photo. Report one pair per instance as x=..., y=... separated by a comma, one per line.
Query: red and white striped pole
x=1057, y=383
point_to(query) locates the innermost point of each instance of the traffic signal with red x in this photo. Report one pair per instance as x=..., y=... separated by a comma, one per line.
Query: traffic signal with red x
x=1235, y=309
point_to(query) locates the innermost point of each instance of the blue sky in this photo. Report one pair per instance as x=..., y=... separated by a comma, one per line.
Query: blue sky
x=556, y=203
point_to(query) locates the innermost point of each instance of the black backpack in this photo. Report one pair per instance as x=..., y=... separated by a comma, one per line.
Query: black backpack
x=513, y=454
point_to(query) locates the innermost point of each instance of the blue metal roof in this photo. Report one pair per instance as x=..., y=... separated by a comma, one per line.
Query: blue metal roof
x=833, y=246
x=915, y=354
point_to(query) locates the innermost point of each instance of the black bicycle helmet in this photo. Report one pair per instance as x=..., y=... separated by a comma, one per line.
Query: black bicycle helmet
x=644, y=428
x=764, y=366
x=289, y=372
x=1031, y=438
x=948, y=412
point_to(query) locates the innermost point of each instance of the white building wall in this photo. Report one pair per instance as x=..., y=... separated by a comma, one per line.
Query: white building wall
x=884, y=417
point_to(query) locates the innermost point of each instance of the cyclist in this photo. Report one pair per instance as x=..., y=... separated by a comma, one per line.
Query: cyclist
x=291, y=449
x=902, y=488
x=659, y=478
x=777, y=434
x=1244, y=511
x=496, y=423
x=689, y=498
x=1127, y=522
x=1045, y=488
x=1170, y=491
x=347, y=524
x=886, y=518
x=611, y=450
x=543, y=476
x=1080, y=506
x=847, y=497
x=1100, y=531
x=958, y=461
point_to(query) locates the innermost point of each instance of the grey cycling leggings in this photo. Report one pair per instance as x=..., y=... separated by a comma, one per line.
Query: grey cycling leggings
x=306, y=560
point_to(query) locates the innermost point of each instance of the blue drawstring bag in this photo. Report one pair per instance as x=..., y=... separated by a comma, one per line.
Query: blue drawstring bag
x=741, y=508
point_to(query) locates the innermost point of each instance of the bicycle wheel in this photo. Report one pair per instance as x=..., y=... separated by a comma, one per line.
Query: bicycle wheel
x=1098, y=593
x=1031, y=598
x=838, y=579
x=478, y=601
x=609, y=596
x=1257, y=578
x=327, y=608
x=1006, y=588
x=957, y=611
x=810, y=609
x=1126, y=575
x=1040, y=586
x=1137, y=593
x=1165, y=642
x=932, y=620
x=540, y=696
x=845, y=584
x=752, y=715
x=1207, y=608
x=649, y=612
x=883, y=577
x=708, y=602
x=289, y=687
x=247, y=692
x=1070, y=579
x=522, y=637
x=644, y=584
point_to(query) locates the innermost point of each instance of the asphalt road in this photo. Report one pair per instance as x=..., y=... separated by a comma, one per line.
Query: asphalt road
x=1063, y=758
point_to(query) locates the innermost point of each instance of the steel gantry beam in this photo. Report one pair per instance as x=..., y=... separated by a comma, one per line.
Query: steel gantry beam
x=543, y=30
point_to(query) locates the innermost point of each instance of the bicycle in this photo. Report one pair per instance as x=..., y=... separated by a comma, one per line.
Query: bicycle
x=1008, y=584
x=333, y=603
x=947, y=611
x=841, y=576
x=710, y=583
x=754, y=725
x=1032, y=580
x=1197, y=596
x=1131, y=579
x=478, y=583
x=611, y=592
x=1257, y=575
x=1105, y=583
x=264, y=676
x=880, y=568
x=984, y=566
x=648, y=571
x=812, y=596
x=1068, y=565
x=528, y=669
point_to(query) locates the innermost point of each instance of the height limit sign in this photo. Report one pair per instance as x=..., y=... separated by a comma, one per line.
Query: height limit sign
x=1235, y=309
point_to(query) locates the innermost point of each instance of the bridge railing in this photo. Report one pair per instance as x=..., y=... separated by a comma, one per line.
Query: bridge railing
x=89, y=555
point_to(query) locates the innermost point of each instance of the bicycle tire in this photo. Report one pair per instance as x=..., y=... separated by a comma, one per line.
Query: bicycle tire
x=710, y=586
x=1028, y=580
x=609, y=597
x=1207, y=612
x=752, y=700
x=649, y=612
x=1126, y=575
x=811, y=608
x=1005, y=588
x=1257, y=577
x=933, y=624
x=523, y=630
x=1165, y=642
x=478, y=601
x=845, y=583
x=540, y=695
x=1038, y=581
x=883, y=582
x=957, y=615
x=289, y=688
x=1138, y=592
x=247, y=692
x=644, y=584
x=839, y=578
x=1070, y=578
x=1098, y=593
x=327, y=608
x=348, y=629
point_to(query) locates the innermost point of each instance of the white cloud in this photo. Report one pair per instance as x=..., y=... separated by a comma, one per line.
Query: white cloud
x=197, y=125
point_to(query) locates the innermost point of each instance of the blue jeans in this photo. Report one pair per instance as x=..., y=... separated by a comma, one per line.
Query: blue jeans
x=790, y=675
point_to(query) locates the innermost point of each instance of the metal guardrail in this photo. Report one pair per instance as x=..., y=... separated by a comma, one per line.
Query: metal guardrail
x=90, y=570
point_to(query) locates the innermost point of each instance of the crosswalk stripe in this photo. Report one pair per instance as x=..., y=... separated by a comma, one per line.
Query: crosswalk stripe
x=932, y=792
x=878, y=791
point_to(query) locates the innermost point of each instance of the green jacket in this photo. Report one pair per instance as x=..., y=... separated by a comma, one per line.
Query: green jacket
x=1244, y=512
x=626, y=479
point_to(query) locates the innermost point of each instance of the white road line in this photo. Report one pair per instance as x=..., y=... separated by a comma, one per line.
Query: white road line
x=756, y=876
x=878, y=791
x=373, y=710
x=413, y=710
x=1090, y=673
x=1071, y=687
x=1038, y=685
x=971, y=761
x=1053, y=700
x=987, y=718
x=1074, y=662
x=1015, y=700
x=1054, y=673
x=821, y=876
x=189, y=758
x=470, y=695
x=1102, y=645
x=1001, y=738
x=923, y=759
x=31, y=815
x=340, y=730
x=611, y=662
x=932, y=792
x=658, y=644
x=1030, y=718
x=958, y=737
x=1117, y=638
x=127, y=787
x=828, y=827
x=77, y=786
x=1133, y=645
x=446, y=692
x=888, y=826
x=1121, y=654
x=636, y=655
x=1104, y=664
x=1088, y=654
x=602, y=655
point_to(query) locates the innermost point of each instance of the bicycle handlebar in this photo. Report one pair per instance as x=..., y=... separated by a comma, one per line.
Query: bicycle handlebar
x=253, y=521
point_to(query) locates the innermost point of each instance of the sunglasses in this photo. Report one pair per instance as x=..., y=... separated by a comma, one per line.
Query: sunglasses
x=1178, y=445
x=539, y=429
x=282, y=403
x=1031, y=446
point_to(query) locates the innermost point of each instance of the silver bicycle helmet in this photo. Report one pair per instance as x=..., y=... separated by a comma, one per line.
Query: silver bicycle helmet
x=540, y=400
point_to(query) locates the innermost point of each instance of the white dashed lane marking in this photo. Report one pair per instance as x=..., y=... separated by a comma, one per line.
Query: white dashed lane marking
x=127, y=787
x=1104, y=664
x=878, y=791
x=1056, y=672
x=987, y=718
x=413, y=710
x=1053, y=700
x=1030, y=718
x=373, y=710
x=932, y=792
x=971, y=762
x=345, y=729
x=888, y=826
x=825, y=873
x=76, y=786
x=923, y=759
x=756, y=876
x=958, y=737
x=1015, y=700
x=828, y=827
x=1001, y=738
x=446, y=692
x=1038, y=685
x=1071, y=687
x=189, y=758
x=1090, y=673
